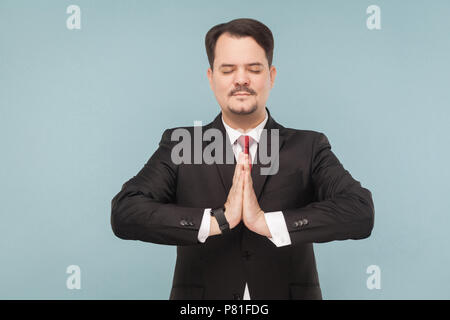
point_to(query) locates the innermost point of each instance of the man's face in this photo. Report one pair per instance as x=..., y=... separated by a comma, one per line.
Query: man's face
x=241, y=80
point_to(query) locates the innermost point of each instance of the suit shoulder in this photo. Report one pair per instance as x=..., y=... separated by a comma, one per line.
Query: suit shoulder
x=309, y=135
x=169, y=130
x=167, y=133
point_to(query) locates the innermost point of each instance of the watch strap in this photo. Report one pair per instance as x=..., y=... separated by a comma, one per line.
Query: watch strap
x=219, y=213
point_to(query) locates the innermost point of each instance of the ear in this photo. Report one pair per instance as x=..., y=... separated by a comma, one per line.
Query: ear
x=273, y=74
x=209, y=74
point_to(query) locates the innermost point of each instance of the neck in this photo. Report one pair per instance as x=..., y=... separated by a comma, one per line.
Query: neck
x=245, y=122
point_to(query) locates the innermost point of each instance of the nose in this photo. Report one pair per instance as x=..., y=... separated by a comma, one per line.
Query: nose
x=241, y=78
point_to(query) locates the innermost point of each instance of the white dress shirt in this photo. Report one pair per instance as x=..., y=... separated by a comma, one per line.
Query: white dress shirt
x=275, y=220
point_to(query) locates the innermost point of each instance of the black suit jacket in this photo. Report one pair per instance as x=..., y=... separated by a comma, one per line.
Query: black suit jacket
x=320, y=201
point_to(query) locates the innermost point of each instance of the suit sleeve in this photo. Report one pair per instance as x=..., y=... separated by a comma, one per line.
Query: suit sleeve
x=145, y=207
x=343, y=208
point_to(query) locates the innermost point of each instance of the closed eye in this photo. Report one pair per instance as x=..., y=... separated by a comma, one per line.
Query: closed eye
x=252, y=71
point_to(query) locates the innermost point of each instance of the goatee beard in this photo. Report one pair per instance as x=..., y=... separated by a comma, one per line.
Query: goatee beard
x=244, y=112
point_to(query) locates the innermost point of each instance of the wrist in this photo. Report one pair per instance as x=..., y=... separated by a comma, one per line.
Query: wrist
x=261, y=226
x=229, y=218
x=221, y=218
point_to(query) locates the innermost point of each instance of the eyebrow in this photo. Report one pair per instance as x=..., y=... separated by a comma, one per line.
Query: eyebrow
x=248, y=64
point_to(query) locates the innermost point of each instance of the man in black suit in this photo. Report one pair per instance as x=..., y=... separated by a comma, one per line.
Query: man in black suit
x=241, y=234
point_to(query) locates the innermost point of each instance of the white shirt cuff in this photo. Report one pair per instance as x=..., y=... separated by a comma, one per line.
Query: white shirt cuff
x=278, y=228
x=203, y=233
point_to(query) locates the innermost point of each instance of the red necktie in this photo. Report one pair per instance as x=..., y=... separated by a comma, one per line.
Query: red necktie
x=244, y=141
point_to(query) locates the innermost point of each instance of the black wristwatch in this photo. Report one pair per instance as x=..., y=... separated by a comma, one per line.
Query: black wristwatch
x=219, y=213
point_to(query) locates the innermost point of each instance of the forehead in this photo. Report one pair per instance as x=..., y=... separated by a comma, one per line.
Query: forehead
x=233, y=50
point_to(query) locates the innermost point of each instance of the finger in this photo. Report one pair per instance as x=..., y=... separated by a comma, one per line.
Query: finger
x=247, y=163
x=249, y=174
x=242, y=157
x=244, y=173
x=238, y=185
x=248, y=179
x=235, y=175
x=237, y=169
x=241, y=180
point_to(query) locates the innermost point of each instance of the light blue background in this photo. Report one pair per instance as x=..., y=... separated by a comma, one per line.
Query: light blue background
x=83, y=110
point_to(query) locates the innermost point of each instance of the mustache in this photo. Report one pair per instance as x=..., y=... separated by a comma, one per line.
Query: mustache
x=242, y=89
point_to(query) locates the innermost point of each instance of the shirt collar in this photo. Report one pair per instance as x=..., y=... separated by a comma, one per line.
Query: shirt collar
x=255, y=133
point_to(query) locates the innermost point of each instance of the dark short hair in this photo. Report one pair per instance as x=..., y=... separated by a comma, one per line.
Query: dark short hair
x=240, y=28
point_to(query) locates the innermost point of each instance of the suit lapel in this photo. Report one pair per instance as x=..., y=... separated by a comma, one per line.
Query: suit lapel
x=258, y=179
x=226, y=171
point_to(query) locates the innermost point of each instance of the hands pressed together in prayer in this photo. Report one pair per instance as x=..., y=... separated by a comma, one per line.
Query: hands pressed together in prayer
x=242, y=203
